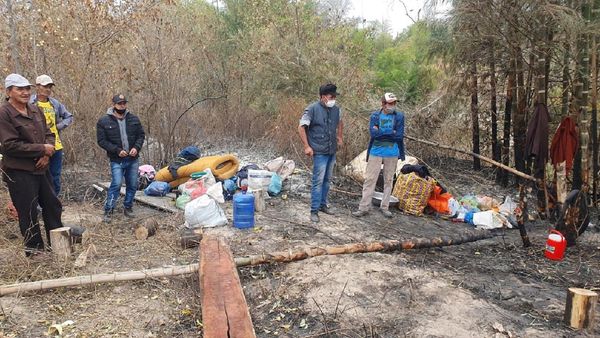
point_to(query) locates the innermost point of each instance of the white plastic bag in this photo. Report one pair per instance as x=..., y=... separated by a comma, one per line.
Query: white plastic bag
x=259, y=179
x=508, y=207
x=489, y=220
x=204, y=212
x=453, y=206
x=216, y=192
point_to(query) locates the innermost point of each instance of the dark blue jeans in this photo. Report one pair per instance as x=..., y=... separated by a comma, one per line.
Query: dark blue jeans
x=127, y=169
x=322, y=170
x=55, y=169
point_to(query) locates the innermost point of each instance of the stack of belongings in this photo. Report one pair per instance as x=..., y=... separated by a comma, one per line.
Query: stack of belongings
x=413, y=188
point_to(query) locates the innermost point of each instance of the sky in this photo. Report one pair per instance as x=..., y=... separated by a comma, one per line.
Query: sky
x=391, y=11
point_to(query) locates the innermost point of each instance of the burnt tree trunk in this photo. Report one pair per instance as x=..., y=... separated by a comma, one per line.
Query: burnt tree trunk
x=594, y=89
x=475, y=116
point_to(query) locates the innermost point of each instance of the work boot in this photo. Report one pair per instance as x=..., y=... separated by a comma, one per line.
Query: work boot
x=107, y=217
x=386, y=213
x=128, y=212
x=360, y=213
x=326, y=209
x=314, y=217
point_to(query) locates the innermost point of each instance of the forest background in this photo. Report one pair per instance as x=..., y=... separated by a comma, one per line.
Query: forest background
x=198, y=71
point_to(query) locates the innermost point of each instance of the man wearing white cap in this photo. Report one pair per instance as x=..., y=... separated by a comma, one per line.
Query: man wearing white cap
x=386, y=146
x=26, y=145
x=57, y=117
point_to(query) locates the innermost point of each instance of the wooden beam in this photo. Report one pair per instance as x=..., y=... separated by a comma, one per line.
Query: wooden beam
x=224, y=309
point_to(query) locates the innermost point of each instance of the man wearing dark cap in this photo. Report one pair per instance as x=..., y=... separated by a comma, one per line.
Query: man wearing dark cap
x=321, y=133
x=121, y=134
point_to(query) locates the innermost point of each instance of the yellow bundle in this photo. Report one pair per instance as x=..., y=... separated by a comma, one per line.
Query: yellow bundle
x=222, y=167
x=413, y=192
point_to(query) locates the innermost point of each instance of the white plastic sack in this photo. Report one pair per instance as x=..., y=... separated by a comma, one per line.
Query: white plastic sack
x=204, y=212
x=208, y=180
x=357, y=168
x=259, y=179
x=283, y=168
x=490, y=220
x=216, y=192
x=508, y=207
x=453, y=206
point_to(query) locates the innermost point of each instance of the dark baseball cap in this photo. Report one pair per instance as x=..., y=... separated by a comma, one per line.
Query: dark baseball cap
x=327, y=89
x=119, y=98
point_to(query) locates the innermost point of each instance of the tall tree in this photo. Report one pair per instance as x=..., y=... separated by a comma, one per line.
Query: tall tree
x=475, y=115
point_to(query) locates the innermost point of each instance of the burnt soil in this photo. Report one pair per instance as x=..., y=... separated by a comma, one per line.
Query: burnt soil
x=489, y=288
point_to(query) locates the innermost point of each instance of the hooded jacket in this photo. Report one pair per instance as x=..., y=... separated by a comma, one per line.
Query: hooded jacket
x=108, y=134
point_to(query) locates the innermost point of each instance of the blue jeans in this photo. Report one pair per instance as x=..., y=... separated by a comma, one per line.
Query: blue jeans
x=128, y=169
x=322, y=169
x=55, y=169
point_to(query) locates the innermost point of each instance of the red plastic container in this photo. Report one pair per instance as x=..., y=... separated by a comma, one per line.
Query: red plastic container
x=555, y=246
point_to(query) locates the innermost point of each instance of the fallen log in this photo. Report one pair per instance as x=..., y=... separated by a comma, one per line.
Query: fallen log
x=483, y=158
x=98, y=278
x=385, y=246
x=224, y=308
x=281, y=256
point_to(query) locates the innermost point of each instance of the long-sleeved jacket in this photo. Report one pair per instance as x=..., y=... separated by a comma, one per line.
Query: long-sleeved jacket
x=108, y=134
x=63, y=117
x=396, y=136
x=22, y=138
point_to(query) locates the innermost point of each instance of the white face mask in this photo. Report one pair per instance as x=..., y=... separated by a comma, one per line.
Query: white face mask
x=330, y=103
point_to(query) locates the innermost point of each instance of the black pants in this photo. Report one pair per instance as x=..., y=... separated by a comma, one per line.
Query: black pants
x=27, y=191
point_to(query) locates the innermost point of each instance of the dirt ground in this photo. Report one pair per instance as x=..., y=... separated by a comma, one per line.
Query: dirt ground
x=490, y=288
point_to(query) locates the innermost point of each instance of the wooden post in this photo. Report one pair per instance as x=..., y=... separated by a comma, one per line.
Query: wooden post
x=145, y=229
x=224, y=309
x=61, y=242
x=259, y=200
x=580, y=308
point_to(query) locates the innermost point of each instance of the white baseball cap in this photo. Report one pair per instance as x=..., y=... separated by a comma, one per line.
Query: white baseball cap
x=16, y=80
x=389, y=97
x=44, y=80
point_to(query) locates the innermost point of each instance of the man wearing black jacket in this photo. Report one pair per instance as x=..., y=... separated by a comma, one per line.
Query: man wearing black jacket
x=121, y=134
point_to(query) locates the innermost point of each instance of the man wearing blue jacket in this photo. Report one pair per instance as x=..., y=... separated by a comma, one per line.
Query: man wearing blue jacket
x=386, y=146
x=57, y=118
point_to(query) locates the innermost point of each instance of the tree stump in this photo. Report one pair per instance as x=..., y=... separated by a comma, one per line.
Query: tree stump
x=145, y=229
x=580, y=308
x=190, y=238
x=259, y=200
x=60, y=240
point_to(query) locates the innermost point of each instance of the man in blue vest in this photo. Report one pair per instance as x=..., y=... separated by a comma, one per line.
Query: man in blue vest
x=321, y=134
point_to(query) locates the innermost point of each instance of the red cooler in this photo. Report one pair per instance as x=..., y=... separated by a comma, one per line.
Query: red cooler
x=555, y=246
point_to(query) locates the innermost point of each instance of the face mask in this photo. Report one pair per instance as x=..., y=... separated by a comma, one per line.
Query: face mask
x=330, y=103
x=120, y=111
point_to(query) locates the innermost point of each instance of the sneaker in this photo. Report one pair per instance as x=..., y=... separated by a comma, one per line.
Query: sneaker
x=128, y=212
x=326, y=210
x=386, y=213
x=360, y=213
x=314, y=217
x=107, y=217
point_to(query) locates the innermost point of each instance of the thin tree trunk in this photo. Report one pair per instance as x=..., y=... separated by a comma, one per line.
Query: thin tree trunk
x=510, y=87
x=475, y=116
x=565, y=79
x=494, y=107
x=594, y=88
x=520, y=120
x=14, y=47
